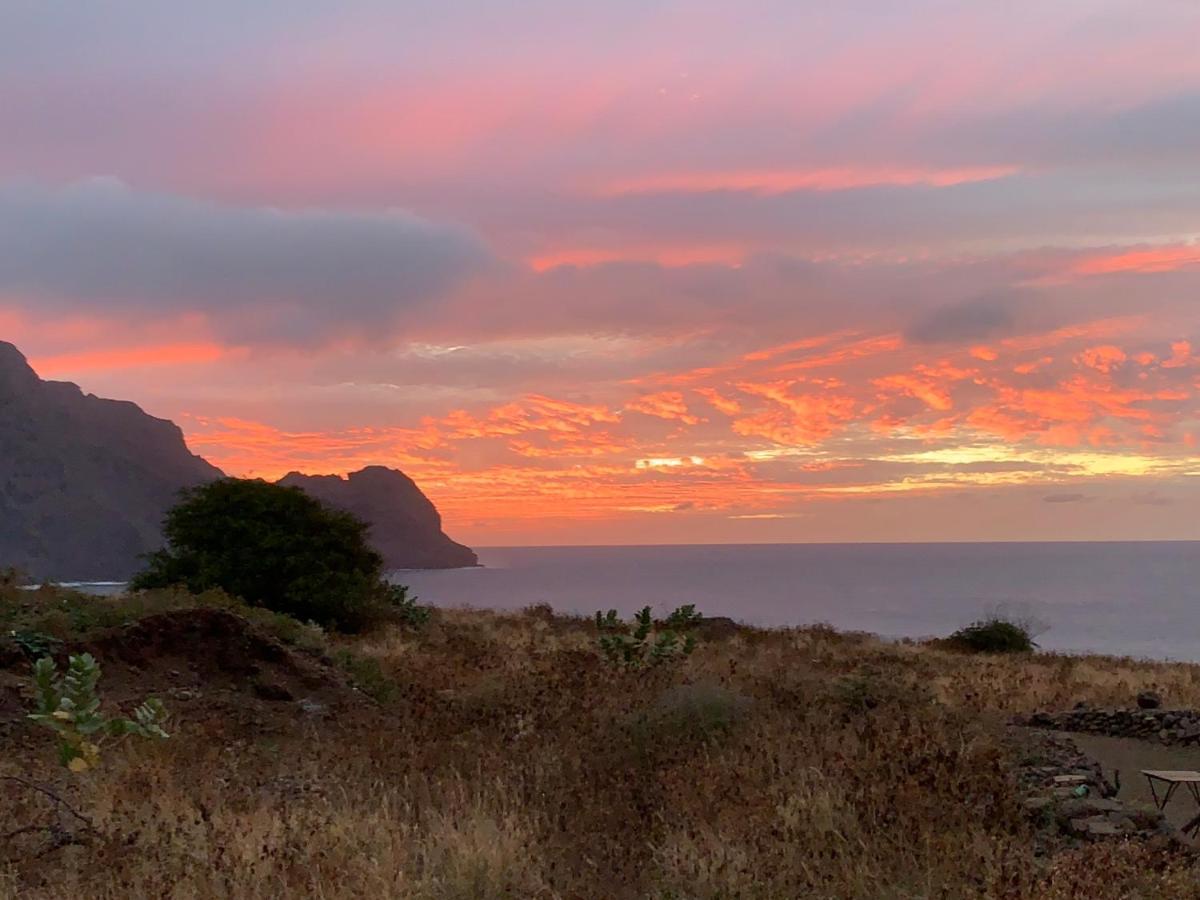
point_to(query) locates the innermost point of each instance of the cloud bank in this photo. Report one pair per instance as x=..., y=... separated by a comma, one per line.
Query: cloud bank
x=259, y=273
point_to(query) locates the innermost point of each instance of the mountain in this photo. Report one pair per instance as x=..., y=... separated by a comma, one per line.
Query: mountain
x=84, y=482
x=405, y=526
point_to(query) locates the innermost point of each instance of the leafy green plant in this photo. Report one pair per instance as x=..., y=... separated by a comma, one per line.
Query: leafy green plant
x=35, y=644
x=69, y=705
x=642, y=645
x=406, y=609
x=684, y=617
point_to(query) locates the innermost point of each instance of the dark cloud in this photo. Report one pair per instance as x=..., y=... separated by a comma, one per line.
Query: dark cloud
x=1065, y=498
x=260, y=272
x=989, y=316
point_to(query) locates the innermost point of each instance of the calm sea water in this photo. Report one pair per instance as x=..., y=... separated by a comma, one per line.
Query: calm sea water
x=1138, y=599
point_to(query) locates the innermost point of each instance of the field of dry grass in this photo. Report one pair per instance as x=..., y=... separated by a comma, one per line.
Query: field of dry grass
x=504, y=757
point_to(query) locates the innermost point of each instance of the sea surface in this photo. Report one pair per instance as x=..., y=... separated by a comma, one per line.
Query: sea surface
x=1132, y=599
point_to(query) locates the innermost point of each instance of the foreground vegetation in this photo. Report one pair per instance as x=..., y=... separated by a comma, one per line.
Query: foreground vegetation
x=505, y=755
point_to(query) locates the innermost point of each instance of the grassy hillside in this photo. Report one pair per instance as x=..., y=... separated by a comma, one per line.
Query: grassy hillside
x=487, y=755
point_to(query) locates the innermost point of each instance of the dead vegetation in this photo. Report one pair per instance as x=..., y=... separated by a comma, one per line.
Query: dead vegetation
x=508, y=758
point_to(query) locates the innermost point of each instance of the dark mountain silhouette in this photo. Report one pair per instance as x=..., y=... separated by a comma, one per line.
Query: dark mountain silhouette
x=85, y=483
x=405, y=526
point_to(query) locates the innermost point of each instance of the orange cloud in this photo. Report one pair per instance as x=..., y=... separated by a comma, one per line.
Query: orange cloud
x=1104, y=358
x=669, y=256
x=1149, y=260
x=664, y=405
x=766, y=182
x=795, y=419
x=722, y=404
x=129, y=358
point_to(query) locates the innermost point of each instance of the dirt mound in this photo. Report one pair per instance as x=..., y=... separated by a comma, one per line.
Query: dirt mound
x=209, y=649
x=202, y=662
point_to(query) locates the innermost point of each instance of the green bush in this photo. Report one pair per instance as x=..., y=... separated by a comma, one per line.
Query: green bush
x=994, y=634
x=275, y=547
x=640, y=645
x=406, y=610
x=684, y=617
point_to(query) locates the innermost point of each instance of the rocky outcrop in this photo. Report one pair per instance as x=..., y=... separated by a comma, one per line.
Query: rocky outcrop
x=406, y=527
x=1168, y=726
x=84, y=482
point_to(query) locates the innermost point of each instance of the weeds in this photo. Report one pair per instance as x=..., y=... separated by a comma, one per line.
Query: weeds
x=367, y=675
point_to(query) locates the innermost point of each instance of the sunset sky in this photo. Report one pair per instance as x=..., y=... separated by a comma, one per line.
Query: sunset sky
x=632, y=272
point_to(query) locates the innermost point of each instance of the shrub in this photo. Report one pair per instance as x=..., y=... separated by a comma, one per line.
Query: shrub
x=684, y=617
x=69, y=705
x=640, y=645
x=994, y=634
x=275, y=547
x=405, y=609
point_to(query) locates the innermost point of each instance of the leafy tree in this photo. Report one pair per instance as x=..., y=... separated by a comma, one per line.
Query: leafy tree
x=275, y=547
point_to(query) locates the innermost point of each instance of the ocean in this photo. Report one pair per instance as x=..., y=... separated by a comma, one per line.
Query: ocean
x=1130, y=599
x=1134, y=599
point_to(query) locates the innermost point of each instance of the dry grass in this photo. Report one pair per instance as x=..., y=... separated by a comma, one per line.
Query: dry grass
x=512, y=761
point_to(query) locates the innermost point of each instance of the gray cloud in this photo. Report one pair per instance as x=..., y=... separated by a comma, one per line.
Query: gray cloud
x=989, y=316
x=1065, y=498
x=261, y=272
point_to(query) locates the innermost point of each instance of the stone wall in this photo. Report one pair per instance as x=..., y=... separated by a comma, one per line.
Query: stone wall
x=1067, y=796
x=1169, y=726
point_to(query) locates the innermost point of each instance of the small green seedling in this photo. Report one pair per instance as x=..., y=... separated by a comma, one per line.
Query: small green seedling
x=69, y=705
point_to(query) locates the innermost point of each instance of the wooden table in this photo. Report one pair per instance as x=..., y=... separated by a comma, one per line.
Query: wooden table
x=1173, y=778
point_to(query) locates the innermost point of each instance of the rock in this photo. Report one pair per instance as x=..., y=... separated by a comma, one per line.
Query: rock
x=1094, y=826
x=406, y=528
x=271, y=690
x=311, y=707
x=1087, y=807
x=1073, y=778
x=1149, y=700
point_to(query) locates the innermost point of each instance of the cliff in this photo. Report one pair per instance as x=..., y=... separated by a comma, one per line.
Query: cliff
x=406, y=527
x=84, y=482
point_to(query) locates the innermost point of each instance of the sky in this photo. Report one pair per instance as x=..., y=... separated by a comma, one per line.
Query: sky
x=632, y=272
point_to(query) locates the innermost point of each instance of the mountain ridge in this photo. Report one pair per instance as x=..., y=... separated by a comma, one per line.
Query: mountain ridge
x=86, y=481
